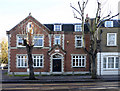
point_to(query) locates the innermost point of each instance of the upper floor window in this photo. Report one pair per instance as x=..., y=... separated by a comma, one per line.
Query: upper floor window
x=111, y=39
x=78, y=61
x=21, y=61
x=57, y=28
x=108, y=23
x=78, y=41
x=78, y=28
x=38, y=40
x=57, y=39
x=20, y=41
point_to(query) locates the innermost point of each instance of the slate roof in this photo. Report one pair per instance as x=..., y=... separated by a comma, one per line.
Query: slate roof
x=70, y=27
x=65, y=27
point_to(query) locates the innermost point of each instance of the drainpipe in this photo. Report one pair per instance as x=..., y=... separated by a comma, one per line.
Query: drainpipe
x=100, y=49
x=9, y=35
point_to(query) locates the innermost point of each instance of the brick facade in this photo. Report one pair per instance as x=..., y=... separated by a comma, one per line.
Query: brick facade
x=66, y=49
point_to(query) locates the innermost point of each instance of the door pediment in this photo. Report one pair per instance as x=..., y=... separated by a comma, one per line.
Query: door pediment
x=57, y=49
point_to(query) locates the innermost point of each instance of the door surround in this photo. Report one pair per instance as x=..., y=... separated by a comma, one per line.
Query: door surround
x=51, y=63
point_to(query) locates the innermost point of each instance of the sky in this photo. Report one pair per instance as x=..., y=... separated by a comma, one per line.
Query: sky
x=47, y=11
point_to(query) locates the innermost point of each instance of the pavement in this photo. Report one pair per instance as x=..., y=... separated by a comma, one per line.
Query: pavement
x=56, y=79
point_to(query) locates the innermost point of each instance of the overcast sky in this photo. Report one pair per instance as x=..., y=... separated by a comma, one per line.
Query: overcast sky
x=46, y=11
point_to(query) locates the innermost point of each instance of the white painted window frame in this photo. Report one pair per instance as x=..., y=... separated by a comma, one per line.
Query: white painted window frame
x=115, y=42
x=39, y=55
x=114, y=62
x=57, y=38
x=78, y=59
x=111, y=22
x=23, y=60
x=27, y=61
x=76, y=30
x=39, y=38
x=79, y=39
x=17, y=38
x=57, y=29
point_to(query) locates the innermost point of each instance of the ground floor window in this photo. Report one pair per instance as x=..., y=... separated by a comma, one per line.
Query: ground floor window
x=38, y=61
x=78, y=61
x=111, y=62
x=21, y=61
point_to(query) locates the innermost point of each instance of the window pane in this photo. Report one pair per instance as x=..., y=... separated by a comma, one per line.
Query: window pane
x=41, y=56
x=78, y=28
x=109, y=24
x=40, y=64
x=34, y=62
x=57, y=39
x=78, y=41
x=73, y=62
x=37, y=62
x=22, y=62
x=117, y=62
x=20, y=40
x=73, y=56
x=76, y=62
x=104, y=62
x=111, y=38
x=38, y=40
x=83, y=62
x=57, y=28
x=110, y=62
x=25, y=63
x=80, y=62
x=18, y=62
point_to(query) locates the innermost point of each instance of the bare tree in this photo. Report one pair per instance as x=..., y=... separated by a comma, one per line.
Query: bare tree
x=27, y=30
x=29, y=46
x=94, y=28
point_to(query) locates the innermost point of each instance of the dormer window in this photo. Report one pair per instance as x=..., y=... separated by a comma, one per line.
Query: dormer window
x=57, y=28
x=108, y=23
x=78, y=28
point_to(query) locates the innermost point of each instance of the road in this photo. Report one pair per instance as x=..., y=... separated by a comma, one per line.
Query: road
x=84, y=86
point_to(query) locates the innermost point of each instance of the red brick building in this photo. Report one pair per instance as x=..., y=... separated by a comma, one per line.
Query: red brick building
x=57, y=48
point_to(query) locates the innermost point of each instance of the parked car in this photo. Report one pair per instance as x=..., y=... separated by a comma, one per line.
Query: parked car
x=5, y=67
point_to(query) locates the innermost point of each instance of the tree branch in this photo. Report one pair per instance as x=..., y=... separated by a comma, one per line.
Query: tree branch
x=85, y=49
x=79, y=5
x=86, y=3
x=75, y=9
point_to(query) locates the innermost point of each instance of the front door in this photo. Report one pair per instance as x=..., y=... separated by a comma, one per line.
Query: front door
x=56, y=65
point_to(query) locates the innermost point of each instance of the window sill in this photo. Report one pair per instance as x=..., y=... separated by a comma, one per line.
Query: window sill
x=22, y=67
x=21, y=46
x=38, y=46
x=111, y=45
x=78, y=67
x=78, y=47
x=38, y=67
x=109, y=68
x=78, y=31
x=57, y=44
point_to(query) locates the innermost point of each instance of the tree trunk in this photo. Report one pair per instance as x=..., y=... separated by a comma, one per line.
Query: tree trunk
x=30, y=62
x=94, y=76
